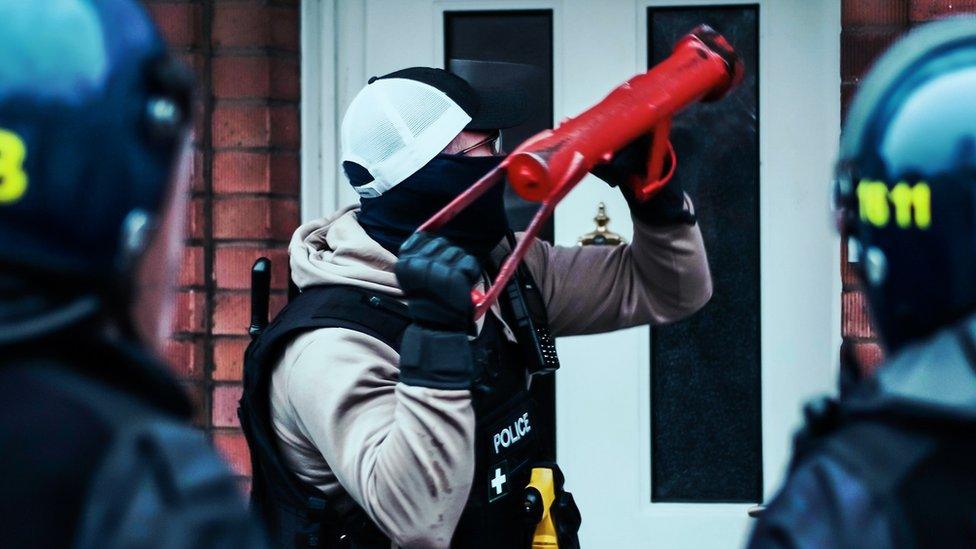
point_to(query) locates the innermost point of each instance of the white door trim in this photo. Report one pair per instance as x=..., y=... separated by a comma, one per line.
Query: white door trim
x=333, y=70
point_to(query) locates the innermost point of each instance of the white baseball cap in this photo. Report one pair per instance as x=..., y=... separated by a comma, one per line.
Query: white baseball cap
x=397, y=123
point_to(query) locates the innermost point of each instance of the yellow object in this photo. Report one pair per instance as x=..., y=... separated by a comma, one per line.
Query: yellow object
x=912, y=204
x=13, y=180
x=545, y=532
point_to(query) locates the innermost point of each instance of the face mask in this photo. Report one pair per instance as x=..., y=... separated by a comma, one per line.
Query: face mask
x=392, y=217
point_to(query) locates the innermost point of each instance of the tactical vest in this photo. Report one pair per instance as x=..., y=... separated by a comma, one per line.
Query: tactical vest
x=507, y=435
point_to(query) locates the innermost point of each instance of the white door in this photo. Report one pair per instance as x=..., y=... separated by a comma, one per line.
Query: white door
x=603, y=398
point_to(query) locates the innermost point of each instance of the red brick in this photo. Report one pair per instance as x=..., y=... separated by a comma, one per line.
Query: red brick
x=285, y=127
x=185, y=357
x=229, y=358
x=285, y=79
x=869, y=356
x=191, y=269
x=232, y=312
x=874, y=12
x=224, y=405
x=241, y=77
x=256, y=172
x=247, y=172
x=255, y=218
x=285, y=29
x=180, y=23
x=856, y=319
x=191, y=312
x=285, y=173
x=242, y=126
x=860, y=48
x=927, y=10
x=196, y=219
x=232, y=266
x=233, y=446
x=256, y=77
x=241, y=24
x=246, y=125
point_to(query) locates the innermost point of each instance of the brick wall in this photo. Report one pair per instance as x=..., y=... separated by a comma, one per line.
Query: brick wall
x=245, y=187
x=869, y=27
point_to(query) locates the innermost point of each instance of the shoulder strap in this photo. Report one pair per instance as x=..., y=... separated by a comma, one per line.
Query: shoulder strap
x=380, y=316
x=377, y=315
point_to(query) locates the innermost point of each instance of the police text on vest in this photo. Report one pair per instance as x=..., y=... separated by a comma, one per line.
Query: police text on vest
x=512, y=433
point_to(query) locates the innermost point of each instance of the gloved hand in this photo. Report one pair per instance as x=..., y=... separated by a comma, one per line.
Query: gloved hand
x=437, y=278
x=667, y=207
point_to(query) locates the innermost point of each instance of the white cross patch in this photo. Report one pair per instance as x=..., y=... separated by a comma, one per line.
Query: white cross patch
x=498, y=482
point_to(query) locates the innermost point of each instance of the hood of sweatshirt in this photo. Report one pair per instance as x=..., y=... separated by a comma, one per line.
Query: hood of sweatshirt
x=336, y=250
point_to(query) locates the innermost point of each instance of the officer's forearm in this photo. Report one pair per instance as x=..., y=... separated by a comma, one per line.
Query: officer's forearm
x=661, y=276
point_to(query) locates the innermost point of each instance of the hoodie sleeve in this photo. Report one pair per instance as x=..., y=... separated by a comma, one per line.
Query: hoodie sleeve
x=662, y=276
x=405, y=454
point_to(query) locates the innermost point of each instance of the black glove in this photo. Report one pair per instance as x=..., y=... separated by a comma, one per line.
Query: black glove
x=437, y=278
x=667, y=207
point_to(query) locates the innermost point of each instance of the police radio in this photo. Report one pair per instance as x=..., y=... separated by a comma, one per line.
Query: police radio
x=527, y=308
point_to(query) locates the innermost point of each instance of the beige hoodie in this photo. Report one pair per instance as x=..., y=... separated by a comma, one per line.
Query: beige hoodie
x=406, y=454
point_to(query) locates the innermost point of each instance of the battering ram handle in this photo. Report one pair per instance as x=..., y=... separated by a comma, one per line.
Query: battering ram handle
x=702, y=67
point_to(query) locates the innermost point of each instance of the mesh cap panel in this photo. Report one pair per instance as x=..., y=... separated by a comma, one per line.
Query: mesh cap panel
x=394, y=126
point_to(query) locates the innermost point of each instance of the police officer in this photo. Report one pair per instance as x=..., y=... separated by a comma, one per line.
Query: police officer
x=372, y=420
x=97, y=450
x=892, y=464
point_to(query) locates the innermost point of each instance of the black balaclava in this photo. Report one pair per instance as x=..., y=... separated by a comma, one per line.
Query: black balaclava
x=392, y=217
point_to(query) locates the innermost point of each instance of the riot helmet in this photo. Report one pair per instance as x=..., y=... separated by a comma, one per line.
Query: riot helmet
x=93, y=116
x=905, y=185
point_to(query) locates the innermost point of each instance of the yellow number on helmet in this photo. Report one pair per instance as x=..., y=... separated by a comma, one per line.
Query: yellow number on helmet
x=873, y=198
x=13, y=179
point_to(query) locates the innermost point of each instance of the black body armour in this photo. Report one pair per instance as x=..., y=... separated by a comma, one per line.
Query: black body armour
x=506, y=442
x=915, y=464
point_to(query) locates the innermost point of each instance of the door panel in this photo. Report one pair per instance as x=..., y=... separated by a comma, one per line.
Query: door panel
x=706, y=417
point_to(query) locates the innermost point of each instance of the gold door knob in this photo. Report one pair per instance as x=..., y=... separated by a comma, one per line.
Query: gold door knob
x=602, y=236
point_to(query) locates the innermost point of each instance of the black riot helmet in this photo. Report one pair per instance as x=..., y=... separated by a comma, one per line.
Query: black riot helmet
x=93, y=115
x=906, y=181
